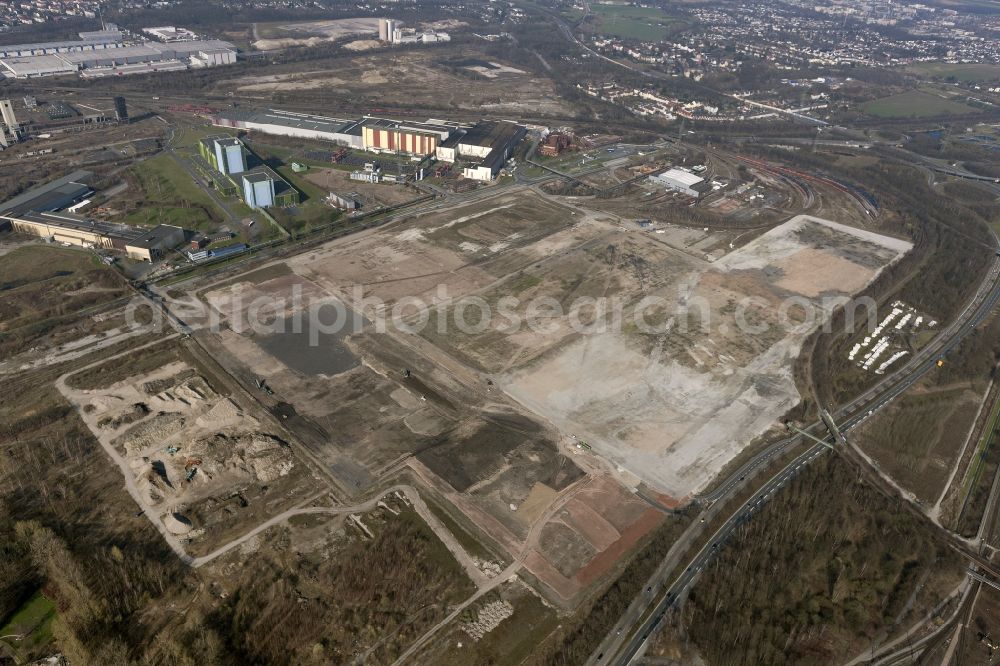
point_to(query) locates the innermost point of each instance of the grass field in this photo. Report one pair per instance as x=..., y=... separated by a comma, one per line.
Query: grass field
x=641, y=23
x=917, y=439
x=170, y=196
x=914, y=104
x=42, y=281
x=33, y=622
x=966, y=72
x=29, y=264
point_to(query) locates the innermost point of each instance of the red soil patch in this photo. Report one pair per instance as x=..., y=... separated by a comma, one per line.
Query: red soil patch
x=603, y=561
x=669, y=501
x=591, y=525
x=615, y=504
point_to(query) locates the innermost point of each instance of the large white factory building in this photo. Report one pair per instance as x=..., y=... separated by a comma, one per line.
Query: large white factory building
x=681, y=181
x=108, y=53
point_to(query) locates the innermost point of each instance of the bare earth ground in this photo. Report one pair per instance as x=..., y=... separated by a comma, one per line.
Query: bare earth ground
x=312, y=33
x=371, y=195
x=416, y=77
x=670, y=409
x=674, y=409
x=241, y=473
x=505, y=472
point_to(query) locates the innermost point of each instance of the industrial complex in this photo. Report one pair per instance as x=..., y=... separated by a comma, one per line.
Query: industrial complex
x=483, y=147
x=392, y=31
x=10, y=128
x=49, y=211
x=110, y=52
x=236, y=171
x=600, y=333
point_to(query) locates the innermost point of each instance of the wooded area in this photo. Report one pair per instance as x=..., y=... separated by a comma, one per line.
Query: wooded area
x=827, y=565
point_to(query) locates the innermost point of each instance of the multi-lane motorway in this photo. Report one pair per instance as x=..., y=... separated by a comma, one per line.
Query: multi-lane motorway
x=630, y=634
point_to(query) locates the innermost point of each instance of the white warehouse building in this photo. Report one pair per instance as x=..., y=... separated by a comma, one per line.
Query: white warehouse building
x=341, y=131
x=681, y=181
x=97, y=58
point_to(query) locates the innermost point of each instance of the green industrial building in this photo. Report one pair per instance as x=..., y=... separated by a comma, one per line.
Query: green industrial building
x=235, y=170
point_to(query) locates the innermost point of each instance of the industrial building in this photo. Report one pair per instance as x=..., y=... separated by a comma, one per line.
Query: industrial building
x=151, y=245
x=385, y=29
x=110, y=33
x=105, y=52
x=10, y=129
x=262, y=188
x=45, y=211
x=392, y=32
x=32, y=67
x=340, y=131
x=258, y=189
x=381, y=135
x=226, y=154
x=369, y=133
x=169, y=33
x=105, y=40
x=121, y=110
x=554, y=144
x=491, y=143
x=372, y=173
x=71, y=229
x=344, y=201
x=681, y=181
x=236, y=171
x=55, y=195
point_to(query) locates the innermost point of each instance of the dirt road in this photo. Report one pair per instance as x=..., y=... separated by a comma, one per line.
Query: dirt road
x=463, y=558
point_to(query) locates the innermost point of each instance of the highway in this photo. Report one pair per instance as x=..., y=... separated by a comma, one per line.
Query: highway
x=639, y=622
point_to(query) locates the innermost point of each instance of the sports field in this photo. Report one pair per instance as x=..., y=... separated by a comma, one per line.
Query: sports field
x=965, y=72
x=641, y=23
x=914, y=104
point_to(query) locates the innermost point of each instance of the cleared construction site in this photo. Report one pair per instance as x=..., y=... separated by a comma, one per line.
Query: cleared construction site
x=537, y=435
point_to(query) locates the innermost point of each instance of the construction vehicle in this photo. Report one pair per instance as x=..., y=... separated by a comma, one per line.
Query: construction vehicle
x=940, y=362
x=191, y=468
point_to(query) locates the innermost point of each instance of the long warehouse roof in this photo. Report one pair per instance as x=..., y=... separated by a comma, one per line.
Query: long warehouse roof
x=306, y=121
x=50, y=196
x=683, y=177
